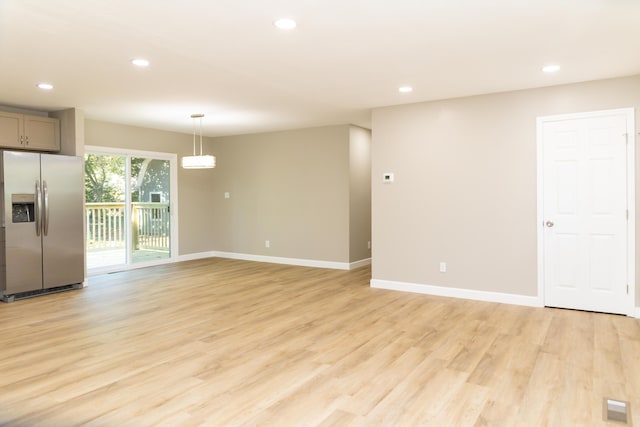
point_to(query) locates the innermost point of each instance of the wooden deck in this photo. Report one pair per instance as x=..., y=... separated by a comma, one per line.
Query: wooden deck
x=109, y=257
x=221, y=342
x=107, y=236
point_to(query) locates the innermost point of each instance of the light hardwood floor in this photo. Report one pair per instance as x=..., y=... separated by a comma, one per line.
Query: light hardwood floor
x=221, y=342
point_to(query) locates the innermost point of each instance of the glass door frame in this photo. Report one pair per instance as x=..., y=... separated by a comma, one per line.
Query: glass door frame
x=173, y=205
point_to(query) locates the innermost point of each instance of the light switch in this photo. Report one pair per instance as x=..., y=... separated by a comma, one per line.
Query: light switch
x=227, y=195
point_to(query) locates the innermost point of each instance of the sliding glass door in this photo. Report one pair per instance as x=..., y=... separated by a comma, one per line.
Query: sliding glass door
x=105, y=210
x=128, y=208
x=150, y=211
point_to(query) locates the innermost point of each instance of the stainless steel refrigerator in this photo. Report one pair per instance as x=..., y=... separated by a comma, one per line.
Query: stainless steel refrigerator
x=42, y=235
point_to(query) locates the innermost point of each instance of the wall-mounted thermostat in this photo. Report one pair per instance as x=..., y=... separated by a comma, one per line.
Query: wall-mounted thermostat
x=387, y=178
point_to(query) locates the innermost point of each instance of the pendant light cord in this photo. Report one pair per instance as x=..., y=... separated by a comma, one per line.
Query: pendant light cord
x=201, y=135
x=194, y=137
x=194, y=117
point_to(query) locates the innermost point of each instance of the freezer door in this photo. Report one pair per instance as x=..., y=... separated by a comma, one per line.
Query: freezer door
x=23, y=245
x=63, y=213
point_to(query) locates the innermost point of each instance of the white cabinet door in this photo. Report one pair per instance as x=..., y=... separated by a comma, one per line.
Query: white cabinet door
x=42, y=133
x=11, y=130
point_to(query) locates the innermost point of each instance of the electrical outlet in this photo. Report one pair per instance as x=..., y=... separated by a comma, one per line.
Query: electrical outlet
x=267, y=244
x=369, y=244
x=227, y=195
x=443, y=267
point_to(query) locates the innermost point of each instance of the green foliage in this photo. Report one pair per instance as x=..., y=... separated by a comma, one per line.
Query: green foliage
x=103, y=178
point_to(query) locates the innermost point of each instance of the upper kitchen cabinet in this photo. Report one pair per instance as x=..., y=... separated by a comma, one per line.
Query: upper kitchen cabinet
x=42, y=133
x=37, y=133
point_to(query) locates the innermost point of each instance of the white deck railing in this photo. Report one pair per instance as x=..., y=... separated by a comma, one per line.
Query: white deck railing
x=149, y=225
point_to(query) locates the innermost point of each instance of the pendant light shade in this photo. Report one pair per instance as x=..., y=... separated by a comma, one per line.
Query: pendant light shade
x=201, y=161
x=198, y=162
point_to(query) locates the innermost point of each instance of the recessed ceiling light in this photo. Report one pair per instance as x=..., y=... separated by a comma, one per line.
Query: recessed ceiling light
x=285, y=24
x=139, y=62
x=405, y=89
x=45, y=86
x=551, y=68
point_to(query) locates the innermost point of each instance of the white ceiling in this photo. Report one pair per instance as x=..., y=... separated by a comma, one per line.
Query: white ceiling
x=224, y=58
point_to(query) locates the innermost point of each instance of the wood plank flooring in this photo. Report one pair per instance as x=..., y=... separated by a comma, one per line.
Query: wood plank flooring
x=220, y=342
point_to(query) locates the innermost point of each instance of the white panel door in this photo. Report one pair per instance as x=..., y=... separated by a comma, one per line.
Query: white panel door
x=585, y=213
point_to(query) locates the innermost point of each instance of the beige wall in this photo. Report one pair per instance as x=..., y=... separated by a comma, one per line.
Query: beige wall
x=195, y=199
x=291, y=188
x=359, y=193
x=465, y=184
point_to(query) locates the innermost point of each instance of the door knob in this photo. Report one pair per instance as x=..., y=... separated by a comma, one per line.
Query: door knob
x=549, y=224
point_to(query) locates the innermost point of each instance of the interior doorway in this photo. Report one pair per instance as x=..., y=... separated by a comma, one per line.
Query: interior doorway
x=586, y=230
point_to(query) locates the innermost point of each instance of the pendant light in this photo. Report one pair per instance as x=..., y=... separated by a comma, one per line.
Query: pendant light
x=198, y=162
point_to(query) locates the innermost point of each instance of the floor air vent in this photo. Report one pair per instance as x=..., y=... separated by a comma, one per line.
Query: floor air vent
x=617, y=410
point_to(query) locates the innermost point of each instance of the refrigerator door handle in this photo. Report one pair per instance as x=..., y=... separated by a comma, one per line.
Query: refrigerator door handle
x=38, y=209
x=45, y=217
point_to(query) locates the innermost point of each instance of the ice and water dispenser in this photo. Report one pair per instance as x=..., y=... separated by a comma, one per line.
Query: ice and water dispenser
x=23, y=208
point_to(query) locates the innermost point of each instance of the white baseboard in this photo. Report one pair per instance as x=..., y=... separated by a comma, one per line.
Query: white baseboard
x=198, y=255
x=458, y=293
x=361, y=263
x=637, y=313
x=288, y=261
x=277, y=260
